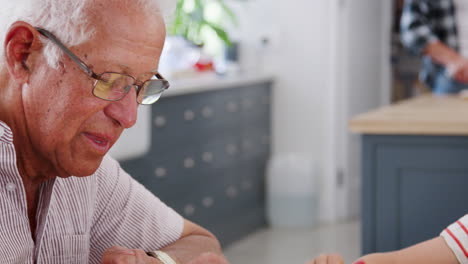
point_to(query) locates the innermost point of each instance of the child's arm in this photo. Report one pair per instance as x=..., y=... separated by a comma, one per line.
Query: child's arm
x=451, y=247
x=434, y=251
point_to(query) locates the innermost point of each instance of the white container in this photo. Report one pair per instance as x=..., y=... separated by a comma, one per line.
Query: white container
x=291, y=192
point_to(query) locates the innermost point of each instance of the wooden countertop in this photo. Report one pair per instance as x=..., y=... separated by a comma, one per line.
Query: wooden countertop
x=425, y=115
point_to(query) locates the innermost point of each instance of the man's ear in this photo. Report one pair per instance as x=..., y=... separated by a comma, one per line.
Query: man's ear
x=21, y=41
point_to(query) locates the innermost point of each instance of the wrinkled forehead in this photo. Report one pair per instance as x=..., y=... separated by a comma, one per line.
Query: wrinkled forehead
x=127, y=14
x=125, y=36
x=119, y=24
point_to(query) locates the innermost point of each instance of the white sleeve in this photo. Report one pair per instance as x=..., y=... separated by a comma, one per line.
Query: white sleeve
x=456, y=236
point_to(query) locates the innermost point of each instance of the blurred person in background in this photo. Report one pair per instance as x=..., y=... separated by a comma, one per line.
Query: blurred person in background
x=62, y=106
x=438, y=31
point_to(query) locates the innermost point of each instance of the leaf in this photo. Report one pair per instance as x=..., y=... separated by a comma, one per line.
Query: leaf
x=190, y=24
x=220, y=33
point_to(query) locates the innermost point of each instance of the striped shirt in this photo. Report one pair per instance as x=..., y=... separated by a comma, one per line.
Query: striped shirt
x=456, y=236
x=78, y=218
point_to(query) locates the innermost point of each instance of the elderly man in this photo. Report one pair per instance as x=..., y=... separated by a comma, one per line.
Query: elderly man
x=72, y=76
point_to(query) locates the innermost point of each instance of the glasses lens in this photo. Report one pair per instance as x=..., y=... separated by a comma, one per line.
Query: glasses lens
x=113, y=86
x=151, y=91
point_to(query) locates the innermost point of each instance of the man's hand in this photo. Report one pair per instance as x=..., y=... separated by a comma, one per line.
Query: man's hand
x=456, y=64
x=121, y=255
x=327, y=259
x=209, y=258
x=196, y=245
x=458, y=70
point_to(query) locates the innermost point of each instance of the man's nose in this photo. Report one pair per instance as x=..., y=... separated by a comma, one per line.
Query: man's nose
x=124, y=111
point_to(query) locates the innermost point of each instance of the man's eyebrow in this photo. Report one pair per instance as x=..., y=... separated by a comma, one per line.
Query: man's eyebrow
x=124, y=68
x=110, y=66
x=121, y=68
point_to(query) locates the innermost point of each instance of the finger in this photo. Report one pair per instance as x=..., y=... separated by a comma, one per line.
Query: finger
x=118, y=254
x=458, y=76
x=335, y=259
x=142, y=258
x=464, y=77
x=114, y=258
x=322, y=259
x=209, y=258
x=121, y=250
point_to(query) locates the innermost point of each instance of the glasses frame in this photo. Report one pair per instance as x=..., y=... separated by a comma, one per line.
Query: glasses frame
x=97, y=77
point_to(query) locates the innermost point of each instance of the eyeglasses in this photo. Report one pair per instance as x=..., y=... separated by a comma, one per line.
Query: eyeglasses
x=113, y=86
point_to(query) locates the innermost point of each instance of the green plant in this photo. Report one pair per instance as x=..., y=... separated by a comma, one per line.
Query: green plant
x=194, y=18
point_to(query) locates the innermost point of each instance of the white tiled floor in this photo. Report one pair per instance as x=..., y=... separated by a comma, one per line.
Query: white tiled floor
x=290, y=246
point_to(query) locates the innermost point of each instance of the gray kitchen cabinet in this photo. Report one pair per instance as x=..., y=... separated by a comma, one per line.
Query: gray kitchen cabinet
x=208, y=156
x=414, y=170
x=413, y=188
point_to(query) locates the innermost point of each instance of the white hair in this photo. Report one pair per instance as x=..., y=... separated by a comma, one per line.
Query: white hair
x=67, y=19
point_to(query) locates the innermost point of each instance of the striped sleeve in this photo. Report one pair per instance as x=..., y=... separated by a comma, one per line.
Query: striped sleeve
x=129, y=215
x=456, y=236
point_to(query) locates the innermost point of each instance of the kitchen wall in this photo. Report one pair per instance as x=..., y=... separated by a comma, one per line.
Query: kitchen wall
x=366, y=84
x=331, y=60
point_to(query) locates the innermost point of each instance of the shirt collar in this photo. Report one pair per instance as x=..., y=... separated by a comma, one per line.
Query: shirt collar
x=6, y=135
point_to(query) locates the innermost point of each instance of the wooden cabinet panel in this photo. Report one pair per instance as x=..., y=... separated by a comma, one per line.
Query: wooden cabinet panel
x=413, y=187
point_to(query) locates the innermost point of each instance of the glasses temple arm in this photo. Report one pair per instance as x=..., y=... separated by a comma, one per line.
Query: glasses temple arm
x=68, y=52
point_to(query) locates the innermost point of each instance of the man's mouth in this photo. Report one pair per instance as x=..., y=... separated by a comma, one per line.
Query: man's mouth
x=101, y=143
